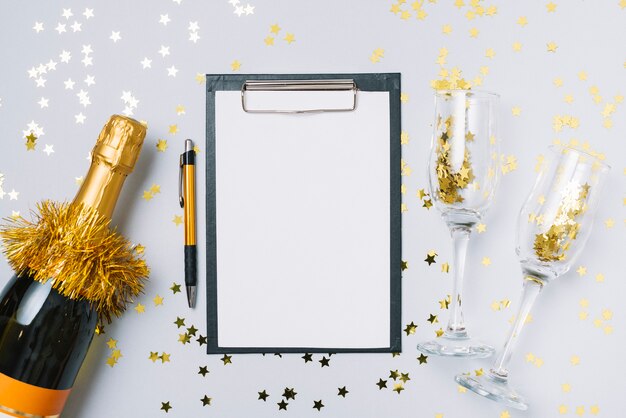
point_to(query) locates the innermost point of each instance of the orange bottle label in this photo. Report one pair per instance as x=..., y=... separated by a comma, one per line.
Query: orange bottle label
x=21, y=399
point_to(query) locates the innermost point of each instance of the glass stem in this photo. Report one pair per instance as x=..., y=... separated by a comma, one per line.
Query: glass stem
x=456, y=325
x=532, y=287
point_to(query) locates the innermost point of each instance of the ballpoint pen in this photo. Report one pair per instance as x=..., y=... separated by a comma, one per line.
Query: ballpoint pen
x=187, y=199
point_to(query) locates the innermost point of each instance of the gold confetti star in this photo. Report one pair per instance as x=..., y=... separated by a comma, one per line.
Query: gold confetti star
x=155, y=188
x=439, y=332
x=505, y=414
x=461, y=389
x=566, y=387
x=551, y=7
x=522, y=21
x=173, y=129
x=609, y=223
x=227, y=359
x=516, y=111
x=269, y=41
x=275, y=28
x=289, y=38
x=479, y=372
x=594, y=410
x=474, y=33
x=582, y=270
x=404, y=138
x=480, y=228
x=205, y=401
x=200, y=78
x=558, y=82
x=99, y=329
x=430, y=258
x=445, y=268
x=235, y=65
x=154, y=356
x=161, y=145
x=178, y=219
x=486, y=261
x=404, y=97
x=165, y=406
x=490, y=53
x=432, y=319
x=404, y=377
x=552, y=46
x=446, y=29
x=599, y=277
x=111, y=361
x=574, y=360
x=175, y=289
x=580, y=410
x=147, y=195
x=116, y=354
x=410, y=328
x=562, y=409
x=398, y=387
x=158, y=300
x=164, y=357
x=140, y=308
x=517, y=46
x=111, y=343
x=184, y=338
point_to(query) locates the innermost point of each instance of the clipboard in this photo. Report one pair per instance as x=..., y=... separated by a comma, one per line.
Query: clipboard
x=303, y=213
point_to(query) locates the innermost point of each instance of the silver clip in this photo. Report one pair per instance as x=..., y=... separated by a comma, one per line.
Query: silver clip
x=181, y=199
x=298, y=85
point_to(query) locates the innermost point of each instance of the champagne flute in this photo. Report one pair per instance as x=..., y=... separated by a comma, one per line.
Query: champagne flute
x=553, y=226
x=463, y=175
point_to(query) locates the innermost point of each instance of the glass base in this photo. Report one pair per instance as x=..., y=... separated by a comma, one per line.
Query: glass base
x=449, y=346
x=493, y=388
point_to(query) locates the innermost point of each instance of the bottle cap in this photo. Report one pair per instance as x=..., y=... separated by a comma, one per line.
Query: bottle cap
x=119, y=144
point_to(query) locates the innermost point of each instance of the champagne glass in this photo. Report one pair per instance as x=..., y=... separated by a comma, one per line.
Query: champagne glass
x=553, y=226
x=463, y=174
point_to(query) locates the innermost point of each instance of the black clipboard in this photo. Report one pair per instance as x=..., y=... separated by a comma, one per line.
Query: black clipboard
x=241, y=87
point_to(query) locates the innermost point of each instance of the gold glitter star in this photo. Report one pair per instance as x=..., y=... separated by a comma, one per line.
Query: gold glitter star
x=184, y=338
x=473, y=33
x=486, y=261
x=275, y=28
x=404, y=265
x=410, y=328
x=427, y=203
x=580, y=410
x=140, y=308
x=599, y=277
x=445, y=268
x=147, y=195
x=200, y=78
x=582, y=270
x=432, y=319
x=324, y=362
x=175, y=288
x=282, y=405
x=439, y=332
x=205, y=401
x=269, y=41
x=480, y=228
x=164, y=357
x=490, y=53
x=263, y=396
x=404, y=377
x=111, y=361
x=505, y=414
x=180, y=322
x=381, y=384
x=516, y=111
x=178, y=219
x=318, y=405
x=574, y=360
x=609, y=223
x=422, y=358
x=562, y=409
x=158, y=300
x=140, y=249
x=227, y=359
x=342, y=392
x=394, y=374
x=522, y=21
x=165, y=406
x=173, y=129
x=566, y=387
x=404, y=97
x=398, y=387
x=551, y=7
x=479, y=372
x=111, y=343
x=552, y=46
x=594, y=409
x=404, y=138
x=289, y=38
x=430, y=257
x=116, y=354
x=154, y=356
x=99, y=329
x=155, y=188
x=161, y=145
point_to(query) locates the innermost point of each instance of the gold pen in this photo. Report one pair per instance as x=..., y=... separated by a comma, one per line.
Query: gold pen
x=187, y=200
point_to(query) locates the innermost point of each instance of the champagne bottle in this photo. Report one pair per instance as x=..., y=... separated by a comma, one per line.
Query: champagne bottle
x=64, y=262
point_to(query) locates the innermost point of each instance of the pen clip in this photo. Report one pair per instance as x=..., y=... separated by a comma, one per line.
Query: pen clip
x=181, y=199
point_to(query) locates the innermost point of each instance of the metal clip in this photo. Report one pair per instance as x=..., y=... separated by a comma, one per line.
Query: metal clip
x=181, y=199
x=299, y=85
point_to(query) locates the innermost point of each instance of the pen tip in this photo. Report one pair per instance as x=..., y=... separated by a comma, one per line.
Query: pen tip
x=188, y=145
x=191, y=296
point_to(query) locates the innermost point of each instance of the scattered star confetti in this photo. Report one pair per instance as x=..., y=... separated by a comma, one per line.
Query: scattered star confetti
x=226, y=359
x=318, y=405
x=178, y=219
x=165, y=406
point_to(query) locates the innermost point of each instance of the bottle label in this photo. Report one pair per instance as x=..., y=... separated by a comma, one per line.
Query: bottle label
x=21, y=399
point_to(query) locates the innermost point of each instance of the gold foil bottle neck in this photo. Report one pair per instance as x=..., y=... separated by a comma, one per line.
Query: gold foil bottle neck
x=119, y=144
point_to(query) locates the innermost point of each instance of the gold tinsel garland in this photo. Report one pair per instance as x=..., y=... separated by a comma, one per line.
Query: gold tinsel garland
x=73, y=246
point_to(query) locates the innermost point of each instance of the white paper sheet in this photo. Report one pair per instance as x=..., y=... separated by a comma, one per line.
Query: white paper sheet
x=303, y=237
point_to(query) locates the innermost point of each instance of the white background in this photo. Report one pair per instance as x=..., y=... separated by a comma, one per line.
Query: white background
x=330, y=36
